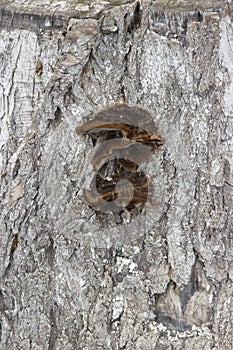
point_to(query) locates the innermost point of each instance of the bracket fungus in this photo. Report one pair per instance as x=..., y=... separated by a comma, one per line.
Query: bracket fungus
x=127, y=136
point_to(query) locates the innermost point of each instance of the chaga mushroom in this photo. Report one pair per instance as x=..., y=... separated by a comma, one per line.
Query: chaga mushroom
x=128, y=136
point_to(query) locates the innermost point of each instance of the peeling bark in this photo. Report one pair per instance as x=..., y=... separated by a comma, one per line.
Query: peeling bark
x=73, y=278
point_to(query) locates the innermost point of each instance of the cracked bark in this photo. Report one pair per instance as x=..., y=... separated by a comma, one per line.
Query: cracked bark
x=75, y=279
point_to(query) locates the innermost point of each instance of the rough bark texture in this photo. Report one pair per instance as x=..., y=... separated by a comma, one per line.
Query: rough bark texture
x=72, y=278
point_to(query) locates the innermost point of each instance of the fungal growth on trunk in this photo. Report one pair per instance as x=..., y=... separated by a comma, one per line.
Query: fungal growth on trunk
x=124, y=138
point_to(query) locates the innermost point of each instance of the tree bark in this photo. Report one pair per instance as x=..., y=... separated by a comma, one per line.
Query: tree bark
x=76, y=278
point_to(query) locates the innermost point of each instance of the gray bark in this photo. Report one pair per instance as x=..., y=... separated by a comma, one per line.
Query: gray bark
x=73, y=278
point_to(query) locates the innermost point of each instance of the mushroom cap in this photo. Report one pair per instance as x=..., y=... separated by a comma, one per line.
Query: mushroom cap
x=120, y=148
x=119, y=117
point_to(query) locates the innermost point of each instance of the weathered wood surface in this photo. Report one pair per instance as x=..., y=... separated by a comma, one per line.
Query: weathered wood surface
x=74, y=279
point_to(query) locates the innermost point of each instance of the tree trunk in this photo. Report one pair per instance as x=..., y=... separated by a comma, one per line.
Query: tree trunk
x=73, y=277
